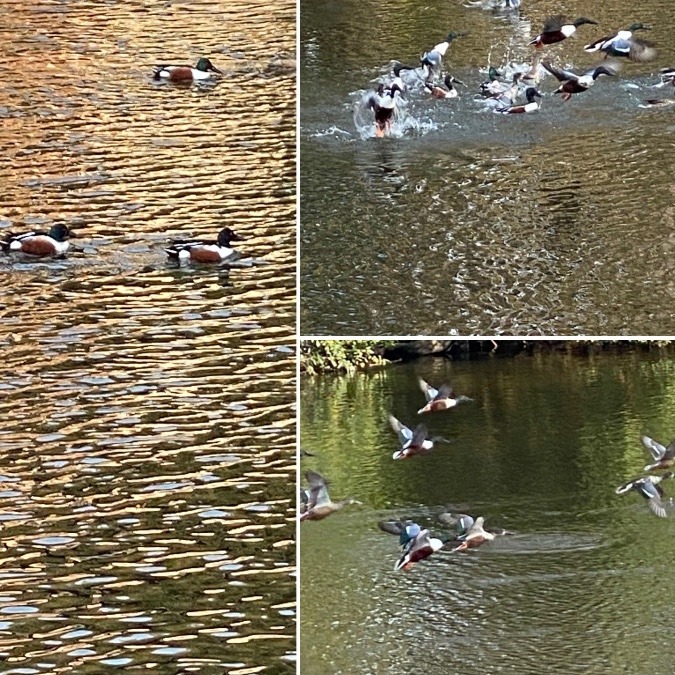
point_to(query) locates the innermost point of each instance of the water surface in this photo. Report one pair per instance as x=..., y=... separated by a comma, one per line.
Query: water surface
x=584, y=586
x=471, y=222
x=147, y=434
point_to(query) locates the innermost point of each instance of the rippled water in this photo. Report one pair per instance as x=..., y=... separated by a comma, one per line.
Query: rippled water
x=552, y=223
x=147, y=434
x=583, y=586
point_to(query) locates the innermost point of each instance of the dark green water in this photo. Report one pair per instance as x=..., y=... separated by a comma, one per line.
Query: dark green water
x=586, y=584
x=552, y=223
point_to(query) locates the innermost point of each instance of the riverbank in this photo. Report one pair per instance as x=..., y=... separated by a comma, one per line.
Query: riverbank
x=344, y=356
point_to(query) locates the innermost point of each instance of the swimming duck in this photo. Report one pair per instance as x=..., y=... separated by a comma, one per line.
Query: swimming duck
x=438, y=92
x=431, y=60
x=557, y=28
x=38, y=243
x=319, y=504
x=667, y=76
x=439, y=399
x=576, y=84
x=492, y=86
x=412, y=442
x=418, y=548
x=383, y=103
x=204, y=70
x=624, y=44
x=199, y=251
x=664, y=457
x=649, y=488
x=475, y=537
x=530, y=94
x=406, y=530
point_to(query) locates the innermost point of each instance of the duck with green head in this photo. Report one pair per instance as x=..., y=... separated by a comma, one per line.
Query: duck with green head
x=204, y=70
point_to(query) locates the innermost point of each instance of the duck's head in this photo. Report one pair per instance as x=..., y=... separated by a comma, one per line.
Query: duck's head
x=60, y=232
x=395, y=88
x=637, y=26
x=380, y=89
x=398, y=67
x=531, y=93
x=493, y=73
x=667, y=474
x=206, y=65
x=226, y=235
x=582, y=20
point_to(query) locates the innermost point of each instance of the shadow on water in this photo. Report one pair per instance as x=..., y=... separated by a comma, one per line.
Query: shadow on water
x=582, y=585
x=541, y=223
x=147, y=441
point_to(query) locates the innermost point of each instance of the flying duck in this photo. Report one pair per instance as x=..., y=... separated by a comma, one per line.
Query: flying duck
x=557, y=28
x=663, y=457
x=418, y=548
x=439, y=399
x=412, y=442
x=318, y=504
x=475, y=537
x=624, y=44
x=405, y=530
x=573, y=83
x=649, y=488
x=431, y=60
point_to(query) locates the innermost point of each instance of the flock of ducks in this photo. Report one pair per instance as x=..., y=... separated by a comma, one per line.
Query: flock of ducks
x=55, y=242
x=466, y=532
x=502, y=96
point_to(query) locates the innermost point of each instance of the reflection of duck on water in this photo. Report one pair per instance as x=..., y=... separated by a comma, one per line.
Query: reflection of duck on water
x=383, y=103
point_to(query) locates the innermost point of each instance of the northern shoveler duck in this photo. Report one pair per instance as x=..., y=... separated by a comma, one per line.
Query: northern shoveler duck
x=397, y=80
x=463, y=522
x=39, y=244
x=418, y=548
x=475, y=537
x=530, y=94
x=557, y=28
x=649, y=488
x=318, y=504
x=406, y=530
x=414, y=442
x=624, y=44
x=663, y=456
x=204, y=70
x=438, y=92
x=573, y=83
x=199, y=251
x=439, y=399
x=667, y=76
x=431, y=61
x=492, y=86
x=383, y=103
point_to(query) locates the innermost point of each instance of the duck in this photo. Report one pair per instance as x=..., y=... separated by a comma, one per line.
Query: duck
x=492, y=86
x=318, y=504
x=204, y=70
x=383, y=103
x=397, y=80
x=431, y=60
x=530, y=94
x=412, y=442
x=663, y=456
x=198, y=251
x=476, y=536
x=624, y=44
x=439, y=399
x=438, y=92
x=667, y=76
x=573, y=83
x=405, y=530
x=418, y=548
x=463, y=522
x=558, y=28
x=39, y=244
x=649, y=488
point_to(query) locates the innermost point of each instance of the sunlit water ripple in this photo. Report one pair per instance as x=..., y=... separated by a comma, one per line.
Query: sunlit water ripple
x=147, y=441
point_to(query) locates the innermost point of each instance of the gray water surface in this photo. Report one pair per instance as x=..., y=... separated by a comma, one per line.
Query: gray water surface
x=466, y=221
x=583, y=586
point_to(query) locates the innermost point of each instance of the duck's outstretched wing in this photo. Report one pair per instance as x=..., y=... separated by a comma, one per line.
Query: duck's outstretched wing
x=559, y=73
x=655, y=448
x=403, y=432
